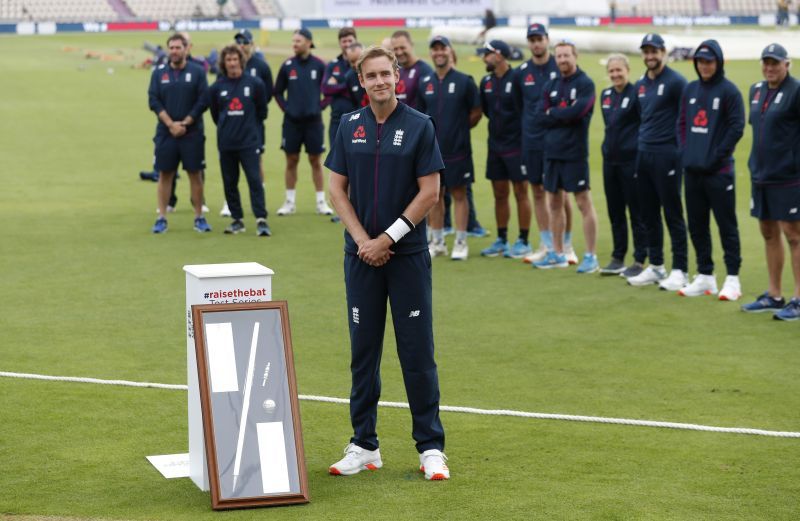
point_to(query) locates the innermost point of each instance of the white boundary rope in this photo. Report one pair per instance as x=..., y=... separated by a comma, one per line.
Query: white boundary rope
x=448, y=408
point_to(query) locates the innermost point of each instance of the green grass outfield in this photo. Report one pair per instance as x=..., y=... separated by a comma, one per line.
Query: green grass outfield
x=87, y=290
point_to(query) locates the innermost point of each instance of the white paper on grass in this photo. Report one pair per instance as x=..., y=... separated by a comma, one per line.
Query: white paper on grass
x=272, y=451
x=221, y=358
x=171, y=465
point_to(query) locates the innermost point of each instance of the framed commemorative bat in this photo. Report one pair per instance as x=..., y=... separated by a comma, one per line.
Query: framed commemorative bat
x=251, y=414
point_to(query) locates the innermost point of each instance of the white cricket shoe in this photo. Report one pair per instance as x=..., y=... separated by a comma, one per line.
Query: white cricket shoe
x=288, y=208
x=355, y=460
x=225, y=212
x=460, y=251
x=437, y=249
x=569, y=253
x=536, y=256
x=650, y=275
x=323, y=208
x=676, y=280
x=731, y=289
x=433, y=463
x=701, y=285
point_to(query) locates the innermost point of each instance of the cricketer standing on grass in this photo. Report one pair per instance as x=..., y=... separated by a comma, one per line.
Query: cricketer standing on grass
x=176, y=95
x=412, y=69
x=298, y=91
x=658, y=174
x=358, y=96
x=566, y=110
x=238, y=107
x=451, y=98
x=385, y=165
x=775, y=174
x=333, y=81
x=710, y=124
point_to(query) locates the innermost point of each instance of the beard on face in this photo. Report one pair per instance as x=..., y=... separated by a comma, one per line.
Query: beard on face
x=490, y=67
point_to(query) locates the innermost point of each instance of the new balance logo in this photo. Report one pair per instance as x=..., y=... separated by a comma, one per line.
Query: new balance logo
x=357, y=115
x=792, y=211
x=414, y=314
x=355, y=315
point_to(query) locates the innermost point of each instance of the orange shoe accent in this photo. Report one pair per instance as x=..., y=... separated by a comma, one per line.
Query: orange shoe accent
x=723, y=297
x=438, y=477
x=371, y=466
x=422, y=468
x=709, y=292
x=334, y=471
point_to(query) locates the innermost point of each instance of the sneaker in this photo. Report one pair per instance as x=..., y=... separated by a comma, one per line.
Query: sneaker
x=569, y=253
x=237, y=226
x=701, y=285
x=765, y=303
x=288, y=208
x=201, y=225
x=731, y=289
x=633, y=270
x=437, y=249
x=448, y=230
x=225, y=212
x=552, y=260
x=262, y=228
x=149, y=176
x=460, y=251
x=322, y=208
x=615, y=267
x=355, y=460
x=676, y=280
x=160, y=226
x=433, y=463
x=478, y=231
x=649, y=275
x=537, y=255
x=790, y=312
x=498, y=247
x=589, y=263
x=518, y=250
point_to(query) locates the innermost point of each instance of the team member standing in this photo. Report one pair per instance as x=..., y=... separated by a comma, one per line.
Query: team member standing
x=300, y=79
x=451, y=98
x=385, y=166
x=658, y=174
x=502, y=104
x=710, y=123
x=238, y=107
x=176, y=95
x=412, y=69
x=620, y=108
x=358, y=96
x=775, y=174
x=334, y=86
x=566, y=111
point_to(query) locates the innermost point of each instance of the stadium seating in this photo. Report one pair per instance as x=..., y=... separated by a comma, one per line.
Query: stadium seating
x=267, y=7
x=669, y=8
x=746, y=7
x=57, y=10
x=175, y=9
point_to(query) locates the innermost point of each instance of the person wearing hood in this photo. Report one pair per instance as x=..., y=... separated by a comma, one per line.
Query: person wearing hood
x=710, y=124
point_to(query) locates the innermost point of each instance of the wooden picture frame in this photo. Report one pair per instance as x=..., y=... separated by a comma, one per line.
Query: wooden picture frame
x=251, y=413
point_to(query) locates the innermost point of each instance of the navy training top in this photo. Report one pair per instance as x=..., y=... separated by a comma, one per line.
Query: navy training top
x=501, y=102
x=449, y=101
x=659, y=100
x=621, y=117
x=775, y=118
x=180, y=92
x=566, y=110
x=531, y=78
x=238, y=108
x=301, y=81
x=382, y=164
x=337, y=94
x=406, y=89
x=356, y=93
x=259, y=68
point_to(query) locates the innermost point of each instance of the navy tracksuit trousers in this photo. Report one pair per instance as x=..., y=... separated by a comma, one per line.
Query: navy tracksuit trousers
x=706, y=194
x=229, y=161
x=406, y=281
x=658, y=182
x=619, y=183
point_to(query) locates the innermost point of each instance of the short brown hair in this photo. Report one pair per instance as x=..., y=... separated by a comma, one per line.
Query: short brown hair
x=567, y=43
x=229, y=49
x=347, y=31
x=404, y=34
x=376, y=51
x=178, y=36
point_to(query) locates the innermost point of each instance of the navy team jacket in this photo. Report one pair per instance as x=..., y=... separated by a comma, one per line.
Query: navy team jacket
x=337, y=94
x=565, y=110
x=621, y=116
x=238, y=108
x=659, y=99
x=531, y=79
x=258, y=67
x=298, y=88
x=179, y=92
x=775, y=118
x=501, y=102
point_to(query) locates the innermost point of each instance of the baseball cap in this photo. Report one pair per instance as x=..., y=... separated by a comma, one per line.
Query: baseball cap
x=705, y=53
x=536, y=29
x=653, y=40
x=443, y=40
x=306, y=34
x=775, y=51
x=496, y=46
x=244, y=36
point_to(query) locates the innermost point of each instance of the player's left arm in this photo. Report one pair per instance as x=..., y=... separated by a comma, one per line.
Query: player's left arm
x=577, y=108
x=200, y=102
x=474, y=101
x=732, y=125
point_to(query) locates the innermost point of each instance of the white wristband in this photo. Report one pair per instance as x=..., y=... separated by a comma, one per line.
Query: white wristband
x=398, y=229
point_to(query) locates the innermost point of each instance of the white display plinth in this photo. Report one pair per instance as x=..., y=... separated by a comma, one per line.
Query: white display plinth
x=215, y=284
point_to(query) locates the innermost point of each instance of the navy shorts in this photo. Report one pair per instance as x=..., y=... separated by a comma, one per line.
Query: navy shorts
x=188, y=150
x=775, y=202
x=297, y=133
x=458, y=172
x=533, y=163
x=505, y=167
x=570, y=176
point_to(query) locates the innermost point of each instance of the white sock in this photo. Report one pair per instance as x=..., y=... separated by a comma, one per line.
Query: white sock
x=438, y=235
x=461, y=236
x=290, y=195
x=320, y=197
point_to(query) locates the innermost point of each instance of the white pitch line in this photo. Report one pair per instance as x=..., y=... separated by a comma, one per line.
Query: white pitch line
x=447, y=408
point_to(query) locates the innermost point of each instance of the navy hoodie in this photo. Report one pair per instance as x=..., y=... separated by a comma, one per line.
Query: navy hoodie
x=501, y=102
x=659, y=99
x=621, y=116
x=565, y=110
x=775, y=118
x=180, y=92
x=238, y=107
x=710, y=120
x=301, y=82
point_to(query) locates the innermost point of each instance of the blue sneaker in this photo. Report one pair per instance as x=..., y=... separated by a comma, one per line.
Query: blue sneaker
x=448, y=230
x=589, y=264
x=479, y=231
x=201, y=225
x=552, y=260
x=765, y=303
x=262, y=228
x=498, y=247
x=160, y=226
x=790, y=312
x=518, y=250
x=237, y=226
